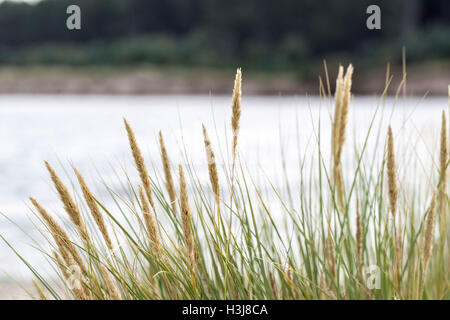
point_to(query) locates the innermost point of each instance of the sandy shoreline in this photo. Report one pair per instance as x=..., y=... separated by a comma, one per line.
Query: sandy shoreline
x=432, y=79
x=12, y=291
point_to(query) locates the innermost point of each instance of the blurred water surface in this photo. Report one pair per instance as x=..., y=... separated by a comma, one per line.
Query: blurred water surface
x=88, y=132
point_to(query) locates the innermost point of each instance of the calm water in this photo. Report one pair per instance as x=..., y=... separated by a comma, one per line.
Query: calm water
x=88, y=132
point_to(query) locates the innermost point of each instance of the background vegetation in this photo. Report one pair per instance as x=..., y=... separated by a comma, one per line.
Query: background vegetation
x=257, y=34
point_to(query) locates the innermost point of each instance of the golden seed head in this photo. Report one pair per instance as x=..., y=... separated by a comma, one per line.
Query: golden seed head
x=62, y=265
x=338, y=95
x=392, y=174
x=186, y=218
x=212, y=168
x=140, y=164
x=64, y=262
x=150, y=223
x=342, y=102
x=236, y=108
x=170, y=186
x=69, y=204
x=113, y=291
x=346, y=95
x=60, y=236
x=54, y=227
x=94, y=208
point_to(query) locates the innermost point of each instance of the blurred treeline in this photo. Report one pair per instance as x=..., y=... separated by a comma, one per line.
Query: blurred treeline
x=262, y=34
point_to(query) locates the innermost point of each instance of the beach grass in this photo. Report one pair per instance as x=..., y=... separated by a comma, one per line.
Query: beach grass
x=340, y=233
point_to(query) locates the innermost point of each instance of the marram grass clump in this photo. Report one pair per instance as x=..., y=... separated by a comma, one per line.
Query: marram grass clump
x=184, y=239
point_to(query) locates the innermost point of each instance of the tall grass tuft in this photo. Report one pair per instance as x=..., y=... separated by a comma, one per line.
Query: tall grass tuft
x=326, y=236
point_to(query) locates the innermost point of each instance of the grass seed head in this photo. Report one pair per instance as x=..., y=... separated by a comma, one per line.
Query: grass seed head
x=140, y=163
x=69, y=204
x=170, y=186
x=392, y=174
x=212, y=167
x=60, y=236
x=150, y=223
x=113, y=291
x=186, y=218
x=94, y=209
x=236, y=109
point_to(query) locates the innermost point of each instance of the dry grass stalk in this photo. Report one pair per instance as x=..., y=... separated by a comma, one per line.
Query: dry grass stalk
x=428, y=241
x=39, y=290
x=273, y=285
x=342, y=103
x=79, y=293
x=168, y=174
x=443, y=157
x=392, y=174
x=94, y=208
x=236, y=109
x=337, y=111
x=61, y=237
x=393, y=198
x=150, y=223
x=388, y=74
x=212, y=168
x=69, y=204
x=346, y=95
x=186, y=219
x=330, y=257
x=293, y=282
x=323, y=293
x=113, y=291
x=140, y=164
x=358, y=236
x=61, y=264
x=65, y=254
